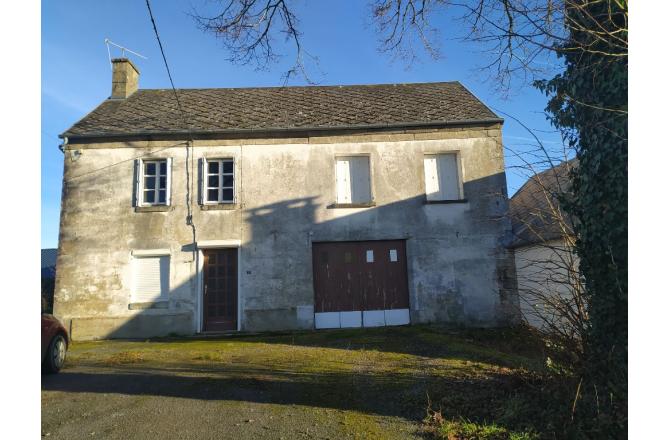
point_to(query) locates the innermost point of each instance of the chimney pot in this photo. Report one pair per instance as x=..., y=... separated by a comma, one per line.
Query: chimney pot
x=125, y=78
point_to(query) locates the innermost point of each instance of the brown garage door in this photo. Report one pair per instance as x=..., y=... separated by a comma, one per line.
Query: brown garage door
x=360, y=276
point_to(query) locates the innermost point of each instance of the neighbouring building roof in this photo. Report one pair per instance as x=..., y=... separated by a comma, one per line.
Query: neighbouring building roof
x=154, y=111
x=49, y=262
x=535, y=211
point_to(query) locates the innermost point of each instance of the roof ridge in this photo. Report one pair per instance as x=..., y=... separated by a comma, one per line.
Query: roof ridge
x=308, y=86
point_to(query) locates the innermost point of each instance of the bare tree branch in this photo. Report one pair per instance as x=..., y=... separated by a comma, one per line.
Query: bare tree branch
x=247, y=29
x=519, y=37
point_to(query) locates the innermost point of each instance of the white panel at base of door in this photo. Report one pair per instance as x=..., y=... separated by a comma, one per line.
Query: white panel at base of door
x=327, y=320
x=373, y=318
x=351, y=319
x=397, y=317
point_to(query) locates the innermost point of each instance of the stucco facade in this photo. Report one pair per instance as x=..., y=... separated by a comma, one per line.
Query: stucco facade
x=547, y=280
x=458, y=268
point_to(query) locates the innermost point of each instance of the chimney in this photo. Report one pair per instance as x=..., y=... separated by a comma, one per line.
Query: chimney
x=125, y=78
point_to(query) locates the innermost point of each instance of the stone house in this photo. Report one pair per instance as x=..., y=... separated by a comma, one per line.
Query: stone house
x=264, y=209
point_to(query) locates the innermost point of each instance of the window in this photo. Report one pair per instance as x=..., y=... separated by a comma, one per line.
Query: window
x=353, y=182
x=441, y=177
x=150, y=279
x=218, y=181
x=154, y=182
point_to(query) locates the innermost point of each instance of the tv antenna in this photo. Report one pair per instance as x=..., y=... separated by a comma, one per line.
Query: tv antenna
x=123, y=49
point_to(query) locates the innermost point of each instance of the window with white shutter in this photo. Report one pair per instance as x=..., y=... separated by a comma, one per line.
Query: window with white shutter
x=353, y=180
x=150, y=279
x=441, y=176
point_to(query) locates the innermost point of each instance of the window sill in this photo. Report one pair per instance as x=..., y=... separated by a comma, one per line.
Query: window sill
x=149, y=305
x=445, y=202
x=218, y=206
x=153, y=208
x=351, y=205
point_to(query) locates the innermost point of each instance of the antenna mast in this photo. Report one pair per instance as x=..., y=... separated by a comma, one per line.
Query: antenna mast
x=123, y=49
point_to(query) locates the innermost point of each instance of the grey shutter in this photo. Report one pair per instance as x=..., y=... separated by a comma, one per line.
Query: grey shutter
x=200, y=180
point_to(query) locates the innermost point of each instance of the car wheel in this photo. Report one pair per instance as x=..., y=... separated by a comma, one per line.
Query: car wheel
x=55, y=356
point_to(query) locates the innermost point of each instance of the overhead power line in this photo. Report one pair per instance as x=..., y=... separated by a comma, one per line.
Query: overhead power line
x=185, y=119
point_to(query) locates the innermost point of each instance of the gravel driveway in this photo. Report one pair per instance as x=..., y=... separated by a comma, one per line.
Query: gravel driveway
x=332, y=384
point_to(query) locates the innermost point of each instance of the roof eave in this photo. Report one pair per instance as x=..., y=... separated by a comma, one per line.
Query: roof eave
x=270, y=130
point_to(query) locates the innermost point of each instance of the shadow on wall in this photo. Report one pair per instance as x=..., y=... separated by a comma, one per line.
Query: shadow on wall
x=277, y=242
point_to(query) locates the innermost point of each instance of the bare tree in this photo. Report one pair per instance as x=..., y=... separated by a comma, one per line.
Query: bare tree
x=519, y=37
x=551, y=291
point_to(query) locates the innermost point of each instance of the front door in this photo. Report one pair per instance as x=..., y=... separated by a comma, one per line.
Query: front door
x=220, y=289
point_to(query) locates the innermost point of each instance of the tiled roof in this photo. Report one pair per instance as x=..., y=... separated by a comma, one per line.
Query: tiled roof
x=149, y=111
x=535, y=211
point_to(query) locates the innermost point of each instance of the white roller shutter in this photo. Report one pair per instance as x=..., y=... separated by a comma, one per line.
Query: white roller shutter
x=150, y=279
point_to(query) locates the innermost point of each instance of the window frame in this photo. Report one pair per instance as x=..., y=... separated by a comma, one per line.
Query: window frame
x=141, y=189
x=204, y=187
x=352, y=203
x=461, y=197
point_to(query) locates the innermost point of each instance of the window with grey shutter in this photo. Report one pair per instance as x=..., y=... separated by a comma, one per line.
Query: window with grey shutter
x=218, y=181
x=154, y=182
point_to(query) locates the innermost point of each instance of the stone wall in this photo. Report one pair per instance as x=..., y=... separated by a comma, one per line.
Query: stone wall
x=458, y=269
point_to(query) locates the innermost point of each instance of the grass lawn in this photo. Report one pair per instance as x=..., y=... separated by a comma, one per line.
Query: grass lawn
x=402, y=382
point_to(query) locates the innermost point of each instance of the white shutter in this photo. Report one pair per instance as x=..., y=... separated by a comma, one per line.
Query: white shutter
x=432, y=188
x=168, y=197
x=343, y=192
x=150, y=279
x=139, y=183
x=448, y=176
x=360, y=179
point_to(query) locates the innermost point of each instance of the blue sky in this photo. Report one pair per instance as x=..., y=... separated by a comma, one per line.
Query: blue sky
x=76, y=75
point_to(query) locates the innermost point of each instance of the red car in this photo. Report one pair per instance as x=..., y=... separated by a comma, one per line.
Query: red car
x=54, y=344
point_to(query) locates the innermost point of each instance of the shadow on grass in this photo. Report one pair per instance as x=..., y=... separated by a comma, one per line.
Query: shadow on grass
x=443, y=368
x=510, y=347
x=388, y=394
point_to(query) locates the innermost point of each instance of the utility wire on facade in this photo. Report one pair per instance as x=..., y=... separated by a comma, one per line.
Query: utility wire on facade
x=190, y=143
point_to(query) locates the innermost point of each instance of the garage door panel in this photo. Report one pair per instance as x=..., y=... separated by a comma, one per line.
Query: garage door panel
x=373, y=318
x=353, y=278
x=351, y=319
